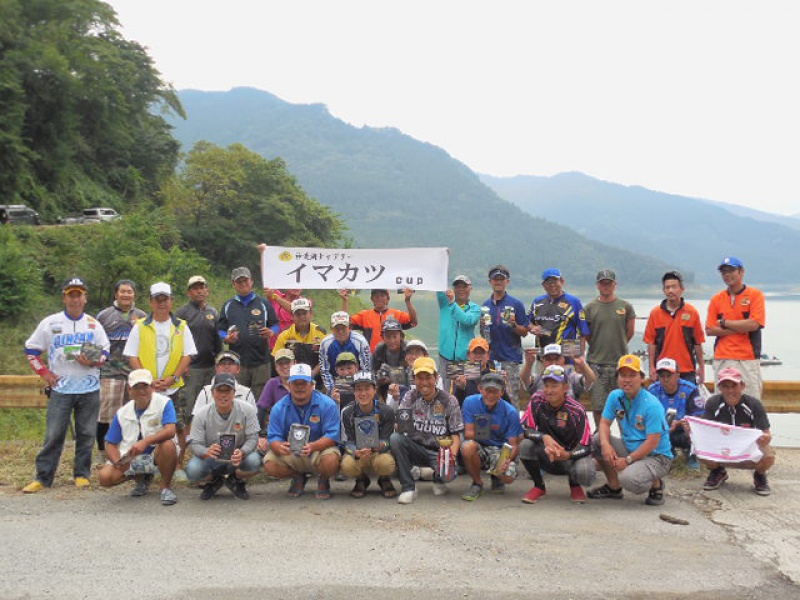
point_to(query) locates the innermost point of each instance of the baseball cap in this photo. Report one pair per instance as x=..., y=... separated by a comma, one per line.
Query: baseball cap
x=140, y=376
x=462, y=279
x=160, y=289
x=227, y=355
x=300, y=372
x=730, y=374
x=301, y=304
x=345, y=357
x=493, y=379
x=364, y=377
x=552, y=349
x=240, y=272
x=224, y=379
x=425, y=364
x=667, y=364
x=548, y=273
x=417, y=344
x=731, y=261
x=498, y=272
x=391, y=325
x=478, y=342
x=340, y=318
x=606, y=274
x=284, y=354
x=632, y=362
x=74, y=283
x=554, y=372
x=195, y=279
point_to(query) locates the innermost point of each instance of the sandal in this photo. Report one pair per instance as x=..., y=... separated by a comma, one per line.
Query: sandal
x=298, y=486
x=387, y=489
x=360, y=489
x=323, y=489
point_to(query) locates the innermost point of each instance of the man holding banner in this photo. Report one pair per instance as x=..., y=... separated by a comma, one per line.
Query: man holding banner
x=733, y=407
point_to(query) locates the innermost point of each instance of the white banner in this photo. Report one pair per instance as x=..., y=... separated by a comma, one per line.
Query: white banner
x=724, y=443
x=354, y=269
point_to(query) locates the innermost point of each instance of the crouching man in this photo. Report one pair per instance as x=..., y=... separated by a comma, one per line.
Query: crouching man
x=643, y=456
x=141, y=439
x=367, y=426
x=223, y=440
x=558, y=437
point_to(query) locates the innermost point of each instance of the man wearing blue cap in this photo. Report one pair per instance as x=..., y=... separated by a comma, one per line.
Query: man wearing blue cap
x=557, y=317
x=736, y=317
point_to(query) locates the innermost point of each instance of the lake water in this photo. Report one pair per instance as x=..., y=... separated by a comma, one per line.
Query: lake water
x=779, y=338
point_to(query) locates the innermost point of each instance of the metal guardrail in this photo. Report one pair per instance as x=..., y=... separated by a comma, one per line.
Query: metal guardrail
x=27, y=391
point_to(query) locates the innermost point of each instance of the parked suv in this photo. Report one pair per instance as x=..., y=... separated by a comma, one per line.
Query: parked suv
x=18, y=214
x=99, y=214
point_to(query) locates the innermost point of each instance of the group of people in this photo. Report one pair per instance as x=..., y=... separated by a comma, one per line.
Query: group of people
x=363, y=402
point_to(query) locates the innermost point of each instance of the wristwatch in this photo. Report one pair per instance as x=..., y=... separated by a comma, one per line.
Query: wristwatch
x=628, y=459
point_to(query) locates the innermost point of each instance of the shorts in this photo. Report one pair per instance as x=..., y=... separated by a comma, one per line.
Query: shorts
x=113, y=394
x=751, y=374
x=301, y=464
x=605, y=384
x=638, y=477
x=512, y=381
x=182, y=417
x=489, y=456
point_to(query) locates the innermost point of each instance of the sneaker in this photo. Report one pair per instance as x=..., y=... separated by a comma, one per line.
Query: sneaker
x=605, y=493
x=168, y=497
x=715, y=479
x=415, y=473
x=82, y=483
x=142, y=485
x=237, y=487
x=498, y=487
x=761, y=483
x=576, y=494
x=534, y=495
x=655, y=497
x=211, y=488
x=475, y=491
x=692, y=463
x=440, y=489
x=180, y=476
x=407, y=497
x=33, y=487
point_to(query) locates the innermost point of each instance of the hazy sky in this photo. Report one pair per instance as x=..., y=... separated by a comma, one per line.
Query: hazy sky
x=697, y=98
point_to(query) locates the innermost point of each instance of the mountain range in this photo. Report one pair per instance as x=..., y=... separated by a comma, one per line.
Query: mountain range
x=395, y=191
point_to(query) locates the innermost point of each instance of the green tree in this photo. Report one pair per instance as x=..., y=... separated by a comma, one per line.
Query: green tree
x=229, y=200
x=80, y=109
x=20, y=276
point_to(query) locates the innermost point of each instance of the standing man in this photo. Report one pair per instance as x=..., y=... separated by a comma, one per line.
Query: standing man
x=117, y=321
x=509, y=324
x=674, y=330
x=642, y=458
x=557, y=317
x=163, y=344
x=144, y=426
x=736, y=317
x=247, y=323
x=202, y=320
x=342, y=339
x=76, y=347
x=371, y=321
x=457, y=319
x=611, y=322
x=304, y=406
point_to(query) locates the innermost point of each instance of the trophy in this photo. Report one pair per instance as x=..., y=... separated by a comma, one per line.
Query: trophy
x=367, y=432
x=446, y=463
x=505, y=454
x=298, y=437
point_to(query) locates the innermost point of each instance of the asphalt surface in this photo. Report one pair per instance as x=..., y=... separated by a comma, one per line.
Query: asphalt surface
x=66, y=543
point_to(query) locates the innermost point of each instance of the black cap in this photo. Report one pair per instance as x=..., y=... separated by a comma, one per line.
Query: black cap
x=221, y=379
x=74, y=283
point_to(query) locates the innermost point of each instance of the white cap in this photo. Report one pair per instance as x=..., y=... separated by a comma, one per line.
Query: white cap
x=340, y=318
x=140, y=376
x=300, y=372
x=160, y=289
x=301, y=304
x=552, y=349
x=417, y=344
x=667, y=364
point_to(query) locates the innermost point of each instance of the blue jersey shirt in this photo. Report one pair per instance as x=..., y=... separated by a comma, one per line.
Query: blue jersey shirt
x=503, y=419
x=321, y=414
x=639, y=418
x=114, y=434
x=563, y=317
x=505, y=344
x=686, y=400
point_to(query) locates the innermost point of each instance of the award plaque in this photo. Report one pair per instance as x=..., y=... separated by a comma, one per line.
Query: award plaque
x=570, y=348
x=93, y=352
x=471, y=370
x=505, y=454
x=482, y=428
x=227, y=442
x=345, y=387
x=367, y=432
x=405, y=420
x=298, y=437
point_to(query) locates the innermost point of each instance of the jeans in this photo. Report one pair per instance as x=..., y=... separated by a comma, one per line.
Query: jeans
x=60, y=409
x=406, y=453
x=200, y=468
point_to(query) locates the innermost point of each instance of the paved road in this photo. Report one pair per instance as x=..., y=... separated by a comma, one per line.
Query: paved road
x=65, y=544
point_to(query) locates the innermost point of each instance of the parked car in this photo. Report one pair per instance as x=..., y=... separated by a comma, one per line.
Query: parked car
x=99, y=214
x=18, y=214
